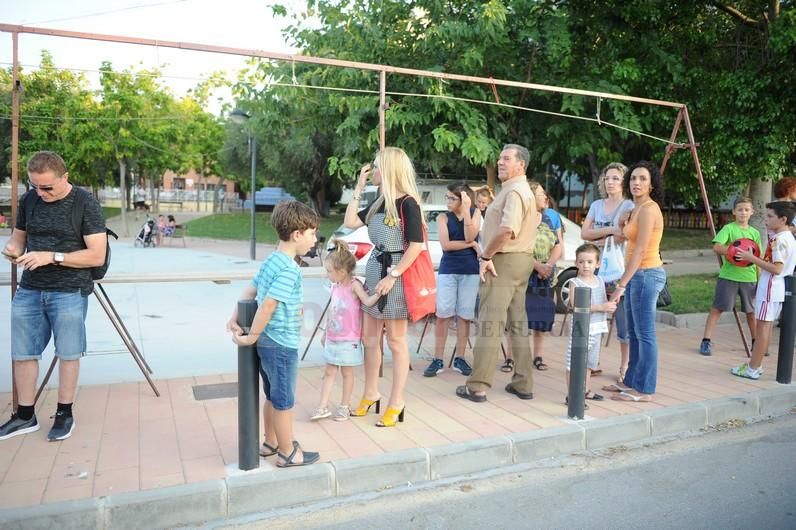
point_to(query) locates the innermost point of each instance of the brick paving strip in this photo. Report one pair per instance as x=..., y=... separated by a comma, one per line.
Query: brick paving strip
x=139, y=461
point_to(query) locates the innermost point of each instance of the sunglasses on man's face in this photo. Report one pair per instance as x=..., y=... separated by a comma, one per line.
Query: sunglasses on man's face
x=40, y=188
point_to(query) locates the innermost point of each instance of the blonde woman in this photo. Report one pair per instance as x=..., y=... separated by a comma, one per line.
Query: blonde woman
x=605, y=219
x=484, y=196
x=394, y=173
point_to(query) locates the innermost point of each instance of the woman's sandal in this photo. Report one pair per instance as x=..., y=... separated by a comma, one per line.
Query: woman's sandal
x=310, y=457
x=266, y=450
x=627, y=396
x=364, y=406
x=391, y=417
x=508, y=366
x=539, y=364
x=615, y=387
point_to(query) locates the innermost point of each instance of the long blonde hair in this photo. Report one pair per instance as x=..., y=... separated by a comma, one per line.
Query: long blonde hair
x=397, y=176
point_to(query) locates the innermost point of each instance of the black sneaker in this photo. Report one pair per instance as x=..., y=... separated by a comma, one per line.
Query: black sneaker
x=434, y=368
x=461, y=365
x=16, y=426
x=62, y=427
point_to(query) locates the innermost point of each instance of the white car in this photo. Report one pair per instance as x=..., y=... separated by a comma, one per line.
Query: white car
x=359, y=244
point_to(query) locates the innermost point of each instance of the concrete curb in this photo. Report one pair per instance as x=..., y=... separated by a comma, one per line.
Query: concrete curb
x=255, y=491
x=691, y=320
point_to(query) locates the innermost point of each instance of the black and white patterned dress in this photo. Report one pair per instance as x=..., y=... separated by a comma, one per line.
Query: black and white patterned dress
x=388, y=249
x=387, y=245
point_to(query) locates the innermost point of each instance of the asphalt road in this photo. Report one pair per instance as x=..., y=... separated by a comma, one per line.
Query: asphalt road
x=742, y=477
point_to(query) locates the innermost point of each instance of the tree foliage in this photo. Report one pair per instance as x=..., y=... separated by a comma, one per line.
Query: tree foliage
x=731, y=64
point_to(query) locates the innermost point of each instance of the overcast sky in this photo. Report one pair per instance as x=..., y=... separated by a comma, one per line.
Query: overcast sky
x=234, y=23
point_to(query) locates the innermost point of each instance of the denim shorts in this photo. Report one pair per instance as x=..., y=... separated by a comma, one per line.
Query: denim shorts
x=457, y=294
x=37, y=315
x=279, y=370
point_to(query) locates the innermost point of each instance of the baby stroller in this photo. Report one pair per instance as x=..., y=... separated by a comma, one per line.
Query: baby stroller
x=146, y=236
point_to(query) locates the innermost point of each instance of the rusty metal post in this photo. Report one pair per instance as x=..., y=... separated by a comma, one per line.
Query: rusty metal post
x=14, y=182
x=382, y=109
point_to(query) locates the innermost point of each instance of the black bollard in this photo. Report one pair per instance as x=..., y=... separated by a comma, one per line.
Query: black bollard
x=580, y=346
x=787, y=333
x=248, y=393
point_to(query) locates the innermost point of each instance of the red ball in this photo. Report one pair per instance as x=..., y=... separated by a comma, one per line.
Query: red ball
x=742, y=245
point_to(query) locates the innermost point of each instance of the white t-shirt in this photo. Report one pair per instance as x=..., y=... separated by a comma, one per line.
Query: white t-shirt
x=781, y=248
x=598, y=322
x=602, y=219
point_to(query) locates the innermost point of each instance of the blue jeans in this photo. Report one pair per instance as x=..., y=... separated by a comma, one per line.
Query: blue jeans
x=641, y=297
x=279, y=371
x=37, y=315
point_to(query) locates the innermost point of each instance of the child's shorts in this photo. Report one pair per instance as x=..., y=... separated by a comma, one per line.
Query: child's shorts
x=343, y=353
x=279, y=370
x=726, y=292
x=767, y=311
x=593, y=355
x=457, y=294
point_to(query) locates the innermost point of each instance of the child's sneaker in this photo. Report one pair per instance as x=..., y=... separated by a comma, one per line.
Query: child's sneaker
x=343, y=413
x=747, y=371
x=434, y=368
x=461, y=365
x=705, y=347
x=320, y=414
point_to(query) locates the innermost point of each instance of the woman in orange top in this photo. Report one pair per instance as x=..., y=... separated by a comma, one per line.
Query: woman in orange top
x=643, y=279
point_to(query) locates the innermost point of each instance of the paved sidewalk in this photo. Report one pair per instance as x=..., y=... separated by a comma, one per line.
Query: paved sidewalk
x=128, y=440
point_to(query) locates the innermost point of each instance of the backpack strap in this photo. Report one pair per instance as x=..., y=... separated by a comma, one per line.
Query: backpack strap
x=78, y=209
x=31, y=198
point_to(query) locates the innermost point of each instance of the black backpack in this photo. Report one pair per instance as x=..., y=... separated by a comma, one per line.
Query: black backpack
x=78, y=207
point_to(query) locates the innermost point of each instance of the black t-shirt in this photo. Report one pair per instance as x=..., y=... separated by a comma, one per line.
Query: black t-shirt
x=413, y=231
x=51, y=230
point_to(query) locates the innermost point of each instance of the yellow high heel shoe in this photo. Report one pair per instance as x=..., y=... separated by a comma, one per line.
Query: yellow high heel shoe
x=391, y=417
x=364, y=406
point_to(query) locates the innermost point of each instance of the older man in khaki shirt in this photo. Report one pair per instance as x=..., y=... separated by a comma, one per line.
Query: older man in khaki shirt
x=508, y=238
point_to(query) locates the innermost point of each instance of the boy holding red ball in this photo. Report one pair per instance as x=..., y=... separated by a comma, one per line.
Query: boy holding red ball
x=778, y=262
x=734, y=280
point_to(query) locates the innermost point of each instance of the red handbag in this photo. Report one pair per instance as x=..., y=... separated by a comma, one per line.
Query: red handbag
x=420, y=284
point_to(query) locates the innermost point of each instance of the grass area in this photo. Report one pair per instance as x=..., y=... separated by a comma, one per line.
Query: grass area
x=692, y=293
x=109, y=212
x=236, y=226
x=685, y=239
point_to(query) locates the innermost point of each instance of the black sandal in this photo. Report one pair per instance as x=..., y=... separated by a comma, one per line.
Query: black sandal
x=287, y=461
x=508, y=366
x=266, y=450
x=594, y=396
x=539, y=364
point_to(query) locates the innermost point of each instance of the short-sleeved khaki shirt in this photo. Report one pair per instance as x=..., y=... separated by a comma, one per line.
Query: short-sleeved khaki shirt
x=515, y=208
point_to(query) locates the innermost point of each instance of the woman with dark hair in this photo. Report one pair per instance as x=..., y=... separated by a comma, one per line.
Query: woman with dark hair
x=643, y=280
x=458, y=280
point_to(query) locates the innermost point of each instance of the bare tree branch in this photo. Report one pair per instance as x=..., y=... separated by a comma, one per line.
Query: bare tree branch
x=736, y=14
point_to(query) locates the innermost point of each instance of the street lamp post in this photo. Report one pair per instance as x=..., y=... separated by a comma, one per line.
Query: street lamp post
x=239, y=116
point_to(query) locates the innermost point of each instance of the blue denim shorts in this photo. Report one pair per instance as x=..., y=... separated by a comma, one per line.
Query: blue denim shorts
x=456, y=295
x=279, y=370
x=37, y=315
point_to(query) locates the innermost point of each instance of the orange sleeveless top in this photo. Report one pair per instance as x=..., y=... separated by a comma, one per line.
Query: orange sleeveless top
x=652, y=254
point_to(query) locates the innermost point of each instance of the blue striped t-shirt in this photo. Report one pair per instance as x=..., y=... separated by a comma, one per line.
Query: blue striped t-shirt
x=279, y=278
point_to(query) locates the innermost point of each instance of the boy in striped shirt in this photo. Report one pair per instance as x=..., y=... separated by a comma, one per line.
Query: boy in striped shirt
x=778, y=262
x=279, y=292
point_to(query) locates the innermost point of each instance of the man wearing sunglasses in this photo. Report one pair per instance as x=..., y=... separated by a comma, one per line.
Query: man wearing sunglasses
x=52, y=298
